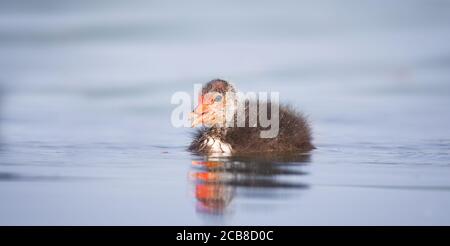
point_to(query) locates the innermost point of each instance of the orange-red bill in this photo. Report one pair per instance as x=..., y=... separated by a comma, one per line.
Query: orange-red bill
x=197, y=114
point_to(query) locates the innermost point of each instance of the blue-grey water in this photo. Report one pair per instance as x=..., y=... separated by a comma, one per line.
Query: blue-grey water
x=86, y=137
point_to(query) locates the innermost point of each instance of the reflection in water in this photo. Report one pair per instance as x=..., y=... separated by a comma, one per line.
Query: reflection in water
x=216, y=179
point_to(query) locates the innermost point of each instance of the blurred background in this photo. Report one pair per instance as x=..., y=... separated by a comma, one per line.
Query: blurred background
x=85, y=88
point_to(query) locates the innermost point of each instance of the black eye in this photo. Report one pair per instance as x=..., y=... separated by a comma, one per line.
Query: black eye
x=218, y=98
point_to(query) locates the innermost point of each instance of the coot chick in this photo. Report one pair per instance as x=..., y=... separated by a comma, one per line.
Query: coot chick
x=217, y=102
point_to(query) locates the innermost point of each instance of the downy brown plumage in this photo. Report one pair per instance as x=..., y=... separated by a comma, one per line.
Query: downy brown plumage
x=294, y=134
